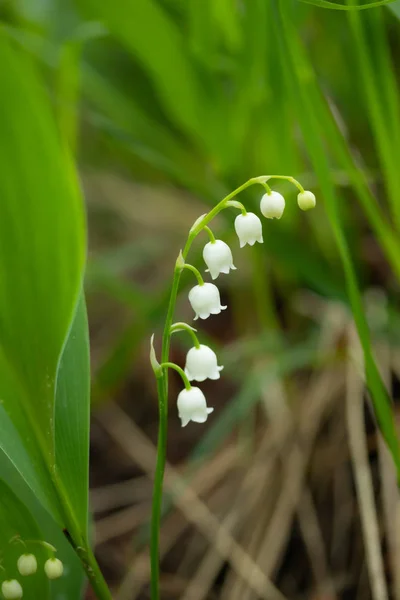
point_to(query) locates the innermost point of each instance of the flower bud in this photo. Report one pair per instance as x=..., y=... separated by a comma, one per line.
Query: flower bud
x=53, y=568
x=205, y=300
x=11, y=589
x=272, y=205
x=27, y=564
x=192, y=406
x=218, y=258
x=306, y=200
x=248, y=228
x=201, y=363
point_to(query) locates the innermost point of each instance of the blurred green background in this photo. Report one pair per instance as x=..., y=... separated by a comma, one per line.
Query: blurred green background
x=168, y=105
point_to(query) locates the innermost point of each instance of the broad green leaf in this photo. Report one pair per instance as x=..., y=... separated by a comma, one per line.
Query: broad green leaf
x=333, y=5
x=42, y=252
x=17, y=522
x=72, y=413
x=25, y=457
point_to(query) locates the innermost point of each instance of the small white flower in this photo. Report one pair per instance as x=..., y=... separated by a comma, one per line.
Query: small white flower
x=218, y=258
x=201, y=363
x=306, y=200
x=27, y=564
x=11, y=589
x=53, y=568
x=192, y=406
x=205, y=300
x=272, y=205
x=249, y=229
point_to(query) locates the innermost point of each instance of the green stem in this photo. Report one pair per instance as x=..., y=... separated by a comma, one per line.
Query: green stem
x=170, y=365
x=199, y=278
x=81, y=546
x=158, y=485
x=287, y=178
x=162, y=383
x=94, y=574
x=267, y=188
x=185, y=327
x=210, y=234
x=235, y=204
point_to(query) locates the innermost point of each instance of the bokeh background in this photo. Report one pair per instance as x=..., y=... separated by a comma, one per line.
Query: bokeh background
x=169, y=105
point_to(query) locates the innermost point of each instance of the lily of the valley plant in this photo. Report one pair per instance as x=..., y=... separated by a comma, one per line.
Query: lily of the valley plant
x=201, y=361
x=27, y=566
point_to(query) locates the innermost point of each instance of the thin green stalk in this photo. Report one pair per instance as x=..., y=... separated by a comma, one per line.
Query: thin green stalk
x=162, y=380
x=383, y=230
x=158, y=485
x=197, y=273
x=308, y=120
x=235, y=204
x=210, y=234
x=382, y=128
x=80, y=545
x=291, y=179
x=170, y=365
x=185, y=327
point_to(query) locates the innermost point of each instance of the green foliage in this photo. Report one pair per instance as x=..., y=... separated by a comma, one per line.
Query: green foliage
x=17, y=523
x=72, y=411
x=42, y=248
x=44, y=365
x=296, y=62
x=198, y=95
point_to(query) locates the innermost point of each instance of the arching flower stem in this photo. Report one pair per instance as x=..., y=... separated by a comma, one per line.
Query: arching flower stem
x=267, y=188
x=185, y=327
x=287, y=178
x=170, y=365
x=236, y=204
x=162, y=381
x=197, y=273
x=210, y=234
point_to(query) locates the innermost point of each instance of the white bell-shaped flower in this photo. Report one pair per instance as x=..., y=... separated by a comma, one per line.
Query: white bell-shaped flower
x=201, y=364
x=249, y=229
x=11, y=589
x=192, y=406
x=272, y=205
x=53, y=568
x=306, y=200
x=27, y=564
x=218, y=258
x=205, y=300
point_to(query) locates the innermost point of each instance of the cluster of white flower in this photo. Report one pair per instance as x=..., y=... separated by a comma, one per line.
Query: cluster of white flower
x=201, y=361
x=27, y=565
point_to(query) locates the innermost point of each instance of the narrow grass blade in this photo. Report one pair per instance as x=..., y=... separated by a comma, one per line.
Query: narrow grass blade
x=295, y=62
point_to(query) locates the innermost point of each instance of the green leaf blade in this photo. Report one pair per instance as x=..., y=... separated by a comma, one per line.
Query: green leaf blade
x=42, y=239
x=72, y=416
